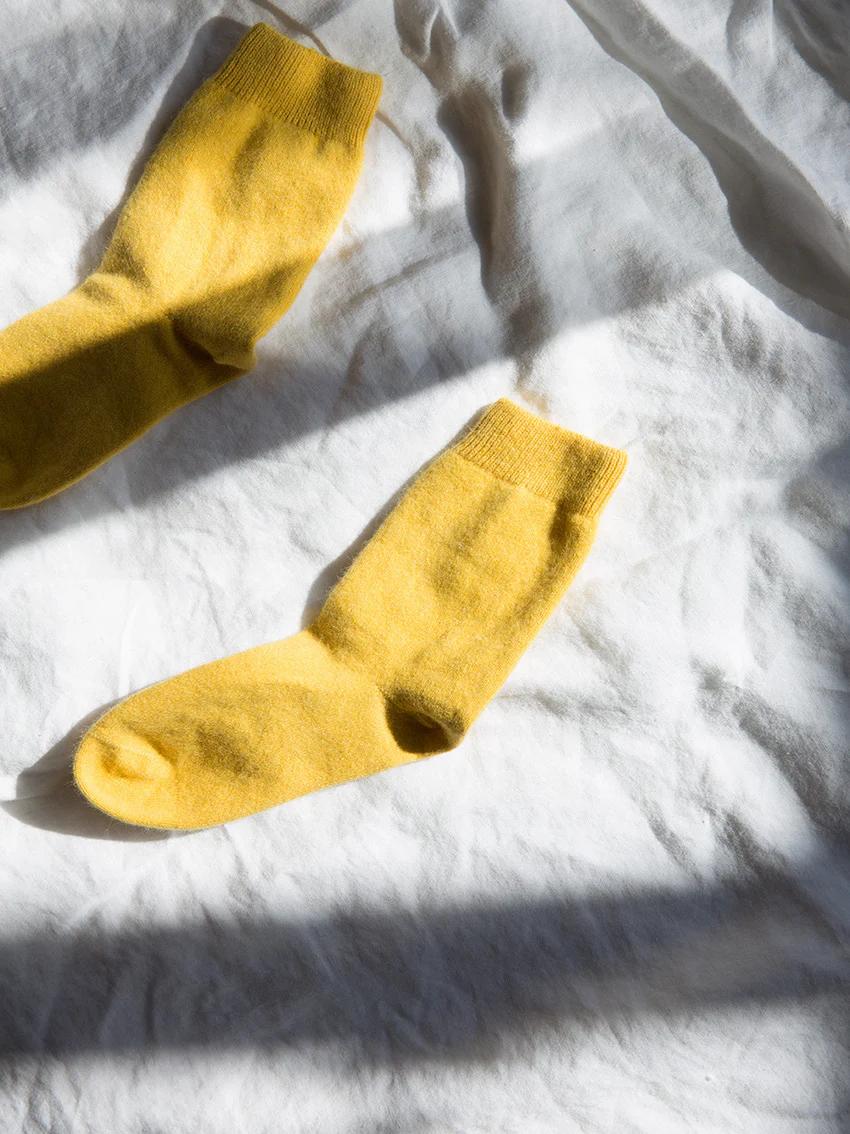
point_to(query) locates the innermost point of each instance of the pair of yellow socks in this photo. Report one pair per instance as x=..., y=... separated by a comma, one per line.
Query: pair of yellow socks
x=230, y=214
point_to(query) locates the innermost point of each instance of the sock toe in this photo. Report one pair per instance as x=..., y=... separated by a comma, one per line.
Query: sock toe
x=122, y=779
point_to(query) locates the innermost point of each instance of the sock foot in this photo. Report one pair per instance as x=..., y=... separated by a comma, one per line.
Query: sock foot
x=235, y=737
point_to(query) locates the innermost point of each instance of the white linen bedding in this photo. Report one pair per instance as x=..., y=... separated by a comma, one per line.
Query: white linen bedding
x=623, y=904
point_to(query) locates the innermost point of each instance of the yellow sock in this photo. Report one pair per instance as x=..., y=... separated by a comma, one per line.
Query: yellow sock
x=230, y=214
x=410, y=646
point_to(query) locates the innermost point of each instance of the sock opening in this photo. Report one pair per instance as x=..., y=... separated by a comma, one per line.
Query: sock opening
x=298, y=84
x=523, y=449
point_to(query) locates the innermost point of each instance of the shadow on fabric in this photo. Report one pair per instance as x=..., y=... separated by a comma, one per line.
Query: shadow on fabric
x=463, y=983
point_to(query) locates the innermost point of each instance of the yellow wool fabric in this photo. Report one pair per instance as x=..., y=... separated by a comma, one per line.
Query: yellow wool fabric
x=410, y=646
x=213, y=245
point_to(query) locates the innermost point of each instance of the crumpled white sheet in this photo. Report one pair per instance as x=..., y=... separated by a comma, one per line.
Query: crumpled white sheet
x=623, y=903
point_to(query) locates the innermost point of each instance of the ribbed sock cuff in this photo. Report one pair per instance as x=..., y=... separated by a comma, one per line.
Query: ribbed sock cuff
x=525, y=450
x=301, y=86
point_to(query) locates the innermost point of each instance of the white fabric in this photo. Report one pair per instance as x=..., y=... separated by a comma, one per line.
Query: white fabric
x=623, y=903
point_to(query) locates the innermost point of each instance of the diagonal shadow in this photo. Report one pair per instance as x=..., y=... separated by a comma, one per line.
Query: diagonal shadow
x=366, y=349
x=455, y=983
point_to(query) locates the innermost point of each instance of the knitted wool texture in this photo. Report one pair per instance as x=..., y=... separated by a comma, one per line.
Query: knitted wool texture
x=410, y=646
x=213, y=245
